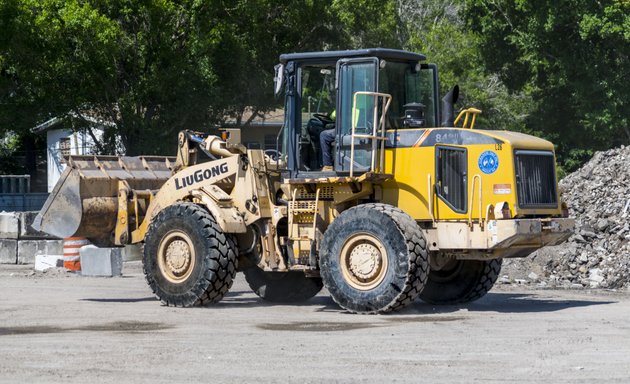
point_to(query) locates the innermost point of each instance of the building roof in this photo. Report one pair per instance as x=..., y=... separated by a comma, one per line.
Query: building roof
x=52, y=123
x=383, y=53
x=46, y=125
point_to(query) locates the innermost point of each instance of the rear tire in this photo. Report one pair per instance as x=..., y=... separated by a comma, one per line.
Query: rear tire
x=461, y=281
x=188, y=260
x=282, y=287
x=373, y=259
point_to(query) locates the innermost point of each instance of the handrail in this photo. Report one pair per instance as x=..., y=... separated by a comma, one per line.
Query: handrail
x=468, y=112
x=315, y=214
x=293, y=196
x=430, y=194
x=376, y=129
x=472, y=195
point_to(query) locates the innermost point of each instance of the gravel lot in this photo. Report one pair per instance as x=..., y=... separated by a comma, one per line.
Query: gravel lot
x=57, y=327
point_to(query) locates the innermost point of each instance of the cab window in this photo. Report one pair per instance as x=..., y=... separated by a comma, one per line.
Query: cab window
x=411, y=88
x=317, y=98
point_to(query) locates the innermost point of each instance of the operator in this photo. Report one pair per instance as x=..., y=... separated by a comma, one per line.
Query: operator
x=326, y=138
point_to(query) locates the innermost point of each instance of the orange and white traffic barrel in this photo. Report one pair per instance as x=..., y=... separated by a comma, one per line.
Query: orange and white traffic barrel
x=71, y=256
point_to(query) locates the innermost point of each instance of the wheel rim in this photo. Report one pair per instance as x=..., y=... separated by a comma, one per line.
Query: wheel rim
x=447, y=272
x=176, y=256
x=363, y=261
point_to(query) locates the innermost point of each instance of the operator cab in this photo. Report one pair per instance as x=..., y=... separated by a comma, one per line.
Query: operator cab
x=359, y=95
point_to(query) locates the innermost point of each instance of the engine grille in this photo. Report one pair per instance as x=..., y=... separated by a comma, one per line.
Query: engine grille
x=451, y=177
x=536, y=179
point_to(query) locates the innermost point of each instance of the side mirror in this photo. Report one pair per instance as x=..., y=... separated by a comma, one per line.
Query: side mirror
x=278, y=79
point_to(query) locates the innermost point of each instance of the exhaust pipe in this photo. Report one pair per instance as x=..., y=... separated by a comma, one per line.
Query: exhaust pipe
x=448, y=107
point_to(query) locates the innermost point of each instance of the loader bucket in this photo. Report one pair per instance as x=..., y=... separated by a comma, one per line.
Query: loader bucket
x=84, y=203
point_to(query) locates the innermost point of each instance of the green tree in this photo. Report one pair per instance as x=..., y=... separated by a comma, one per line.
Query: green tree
x=253, y=34
x=370, y=23
x=141, y=65
x=438, y=29
x=572, y=57
x=152, y=67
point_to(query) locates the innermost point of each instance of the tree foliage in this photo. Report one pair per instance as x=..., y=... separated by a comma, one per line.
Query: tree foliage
x=141, y=65
x=438, y=29
x=369, y=23
x=153, y=67
x=571, y=57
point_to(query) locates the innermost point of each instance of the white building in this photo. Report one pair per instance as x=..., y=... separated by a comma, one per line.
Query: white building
x=61, y=142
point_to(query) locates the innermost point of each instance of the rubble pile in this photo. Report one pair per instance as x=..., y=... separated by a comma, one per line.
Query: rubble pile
x=598, y=254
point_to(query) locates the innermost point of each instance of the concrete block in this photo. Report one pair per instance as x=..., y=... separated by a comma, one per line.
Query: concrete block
x=28, y=249
x=26, y=229
x=8, y=251
x=132, y=252
x=44, y=262
x=9, y=225
x=101, y=261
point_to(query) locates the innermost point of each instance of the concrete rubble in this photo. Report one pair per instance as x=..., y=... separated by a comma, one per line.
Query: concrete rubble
x=9, y=225
x=8, y=251
x=44, y=262
x=105, y=262
x=27, y=250
x=20, y=243
x=598, y=254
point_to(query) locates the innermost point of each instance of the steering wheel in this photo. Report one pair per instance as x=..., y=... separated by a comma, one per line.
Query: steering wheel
x=272, y=154
x=325, y=119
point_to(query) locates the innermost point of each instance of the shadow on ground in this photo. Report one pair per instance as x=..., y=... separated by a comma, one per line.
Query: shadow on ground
x=121, y=300
x=140, y=299
x=492, y=302
x=117, y=326
x=508, y=303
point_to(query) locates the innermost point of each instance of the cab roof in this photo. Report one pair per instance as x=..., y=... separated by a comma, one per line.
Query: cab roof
x=381, y=53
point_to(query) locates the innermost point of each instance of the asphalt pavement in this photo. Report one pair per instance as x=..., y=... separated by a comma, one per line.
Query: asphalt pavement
x=60, y=327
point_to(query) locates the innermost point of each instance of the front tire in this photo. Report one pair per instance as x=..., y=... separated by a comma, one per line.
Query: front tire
x=188, y=260
x=282, y=287
x=373, y=259
x=461, y=281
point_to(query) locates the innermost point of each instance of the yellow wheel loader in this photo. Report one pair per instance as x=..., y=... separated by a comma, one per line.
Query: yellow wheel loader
x=375, y=192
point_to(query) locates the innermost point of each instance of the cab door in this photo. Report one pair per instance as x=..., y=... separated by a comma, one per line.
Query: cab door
x=355, y=75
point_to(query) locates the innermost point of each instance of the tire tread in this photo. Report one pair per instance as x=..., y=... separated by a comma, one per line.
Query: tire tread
x=220, y=258
x=418, y=265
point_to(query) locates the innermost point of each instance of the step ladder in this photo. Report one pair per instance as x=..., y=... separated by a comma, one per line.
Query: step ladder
x=303, y=212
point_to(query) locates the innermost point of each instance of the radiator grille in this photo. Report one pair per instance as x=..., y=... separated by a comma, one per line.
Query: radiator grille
x=536, y=179
x=451, y=177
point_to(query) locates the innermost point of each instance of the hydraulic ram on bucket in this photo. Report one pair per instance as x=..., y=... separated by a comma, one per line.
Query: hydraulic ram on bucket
x=85, y=201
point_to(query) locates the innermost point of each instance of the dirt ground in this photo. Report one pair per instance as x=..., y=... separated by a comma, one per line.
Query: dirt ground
x=64, y=328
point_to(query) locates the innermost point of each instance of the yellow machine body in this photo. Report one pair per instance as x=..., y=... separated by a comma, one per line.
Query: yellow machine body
x=413, y=169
